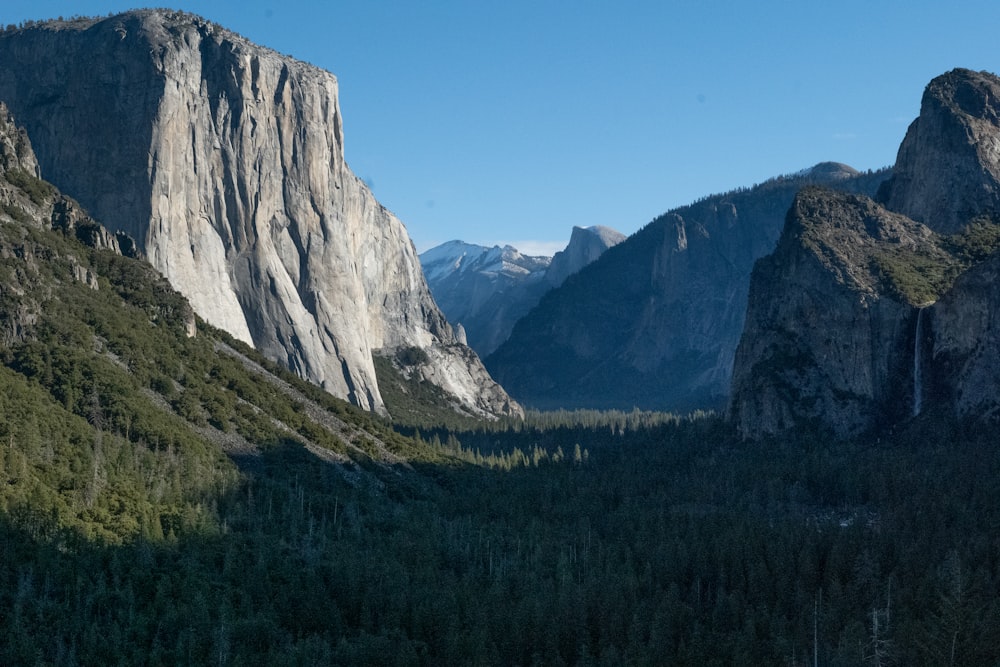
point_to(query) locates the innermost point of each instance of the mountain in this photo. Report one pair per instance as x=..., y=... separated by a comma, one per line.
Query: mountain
x=586, y=245
x=947, y=168
x=482, y=290
x=871, y=313
x=823, y=323
x=108, y=380
x=655, y=321
x=486, y=290
x=170, y=496
x=224, y=161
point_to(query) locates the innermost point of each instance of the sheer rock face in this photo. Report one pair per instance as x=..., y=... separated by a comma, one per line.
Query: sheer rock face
x=824, y=342
x=225, y=161
x=15, y=148
x=28, y=201
x=586, y=245
x=655, y=321
x=948, y=166
x=962, y=369
x=834, y=338
x=487, y=290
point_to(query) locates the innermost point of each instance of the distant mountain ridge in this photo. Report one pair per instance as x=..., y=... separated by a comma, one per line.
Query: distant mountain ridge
x=485, y=290
x=654, y=323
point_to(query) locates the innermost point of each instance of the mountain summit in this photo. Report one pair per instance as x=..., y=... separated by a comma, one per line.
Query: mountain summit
x=654, y=323
x=225, y=161
x=948, y=166
x=486, y=290
x=869, y=314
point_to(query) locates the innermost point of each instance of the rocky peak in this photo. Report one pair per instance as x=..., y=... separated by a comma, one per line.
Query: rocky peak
x=832, y=171
x=826, y=329
x=853, y=238
x=15, y=149
x=655, y=321
x=483, y=289
x=586, y=244
x=948, y=166
x=864, y=318
x=453, y=258
x=225, y=161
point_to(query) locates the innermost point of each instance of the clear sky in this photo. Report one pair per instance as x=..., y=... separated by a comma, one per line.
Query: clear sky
x=511, y=121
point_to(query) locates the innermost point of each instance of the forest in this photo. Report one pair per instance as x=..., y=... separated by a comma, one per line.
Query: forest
x=176, y=499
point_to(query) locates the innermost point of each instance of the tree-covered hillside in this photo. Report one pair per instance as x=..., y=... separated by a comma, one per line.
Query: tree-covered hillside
x=169, y=497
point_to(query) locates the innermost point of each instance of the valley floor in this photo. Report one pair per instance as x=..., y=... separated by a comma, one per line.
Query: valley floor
x=662, y=544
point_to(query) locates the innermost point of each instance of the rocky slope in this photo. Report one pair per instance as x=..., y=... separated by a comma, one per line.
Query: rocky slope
x=225, y=161
x=483, y=290
x=26, y=199
x=827, y=339
x=486, y=290
x=863, y=317
x=948, y=166
x=655, y=321
x=586, y=245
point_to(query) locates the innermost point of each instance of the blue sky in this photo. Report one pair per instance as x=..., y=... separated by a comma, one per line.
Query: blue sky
x=510, y=122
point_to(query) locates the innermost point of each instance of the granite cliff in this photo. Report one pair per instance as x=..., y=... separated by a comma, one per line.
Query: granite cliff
x=225, y=161
x=486, y=290
x=586, y=245
x=825, y=339
x=655, y=321
x=33, y=268
x=948, y=166
x=27, y=199
x=869, y=314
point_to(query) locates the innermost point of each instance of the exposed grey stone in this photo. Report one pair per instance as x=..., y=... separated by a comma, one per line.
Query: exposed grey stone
x=488, y=289
x=948, y=166
x=225, y=161
x=655, y=321
x=586, y=244
x=824, y=342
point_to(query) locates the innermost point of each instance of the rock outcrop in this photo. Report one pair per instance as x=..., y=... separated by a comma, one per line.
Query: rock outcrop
x=26, y=198
x=225, y=161
x=655, y=321
x=961, y=340
x=828, y=338
x=486, y=290
x=864, y=317
x=586, y=245
x=948, y=166
x=31, y=267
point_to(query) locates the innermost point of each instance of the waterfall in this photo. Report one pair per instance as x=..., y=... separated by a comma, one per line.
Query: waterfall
x=918, y=380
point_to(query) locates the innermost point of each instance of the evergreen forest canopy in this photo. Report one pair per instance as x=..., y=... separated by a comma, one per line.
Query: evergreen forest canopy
x=177, y=499
x=169, y=499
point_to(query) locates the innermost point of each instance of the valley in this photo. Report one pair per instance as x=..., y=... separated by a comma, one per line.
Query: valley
x=242, y=422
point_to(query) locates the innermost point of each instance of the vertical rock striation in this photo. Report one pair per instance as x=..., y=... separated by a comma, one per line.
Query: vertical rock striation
x=225, y=161
x=586, y=245
x=655, y=321
x=825, y=340
x=948, y=166
x=866, y=316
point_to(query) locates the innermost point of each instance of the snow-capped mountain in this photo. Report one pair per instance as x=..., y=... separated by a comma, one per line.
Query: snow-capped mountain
x=487, y=289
